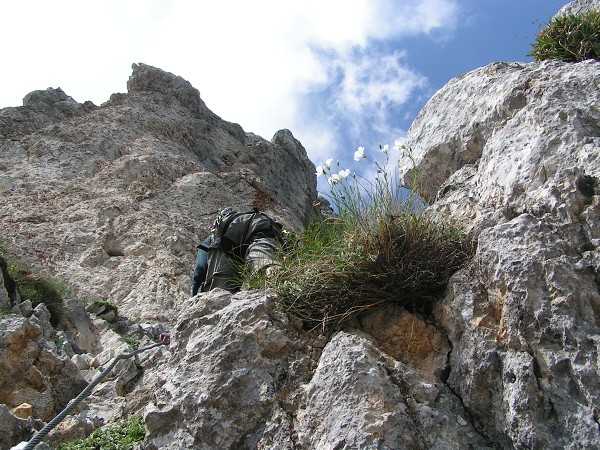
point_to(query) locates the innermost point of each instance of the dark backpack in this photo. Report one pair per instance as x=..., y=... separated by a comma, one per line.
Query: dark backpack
x=237, y=230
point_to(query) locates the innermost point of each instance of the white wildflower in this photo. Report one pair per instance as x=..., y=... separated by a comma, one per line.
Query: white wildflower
x=400, y=144
x=320, y=170
x=334, y=179
x=344, y=173
x=359, y=154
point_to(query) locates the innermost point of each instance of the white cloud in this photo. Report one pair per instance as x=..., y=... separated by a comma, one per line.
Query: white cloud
x=372, y=82
x=256, y=63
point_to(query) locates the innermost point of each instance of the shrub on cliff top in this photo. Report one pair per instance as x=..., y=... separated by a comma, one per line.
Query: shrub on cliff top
x=378, y=250
x=569, y=38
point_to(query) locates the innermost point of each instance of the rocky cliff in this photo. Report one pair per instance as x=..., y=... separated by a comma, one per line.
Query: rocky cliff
x=519, y=144
x=113, y=199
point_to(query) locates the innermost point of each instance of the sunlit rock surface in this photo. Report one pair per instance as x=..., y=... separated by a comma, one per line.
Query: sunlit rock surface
x=114, y=198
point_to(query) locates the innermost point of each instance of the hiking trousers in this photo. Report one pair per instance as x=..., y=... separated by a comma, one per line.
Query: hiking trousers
x=224, y=270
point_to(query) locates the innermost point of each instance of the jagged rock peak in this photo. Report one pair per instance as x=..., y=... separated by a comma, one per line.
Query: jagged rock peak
x=49, y=96
x=149, y=163
x=146, y=78
x=113, y=200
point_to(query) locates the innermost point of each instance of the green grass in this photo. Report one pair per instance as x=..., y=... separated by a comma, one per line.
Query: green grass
x=121, y=436
x=106, y=304
x=569, y=38
x=38, y=288
x=133, y=343
x=35, y=286
x=379, y=249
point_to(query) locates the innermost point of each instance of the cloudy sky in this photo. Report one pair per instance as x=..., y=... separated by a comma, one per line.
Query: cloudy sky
x=337, y=73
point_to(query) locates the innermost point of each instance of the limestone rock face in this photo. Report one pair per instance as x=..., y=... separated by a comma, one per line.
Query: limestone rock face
x=32, y=370
x=115, y=198
x=240, y=376
x=359, y=397
x=579, y=6
x=230, y=382
x=512, y=151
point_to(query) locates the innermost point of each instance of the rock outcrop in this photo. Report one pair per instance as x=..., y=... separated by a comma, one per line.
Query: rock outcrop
x=579, y=6
x=512, y=151
x=509, y=356
x=114, y=198
x=34, y=372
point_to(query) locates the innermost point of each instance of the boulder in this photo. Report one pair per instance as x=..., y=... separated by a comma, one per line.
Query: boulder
x=579, y=6
x=12, y=428
x=512, y=152
x=32, y=371
x=362, y=398
x=231, y=378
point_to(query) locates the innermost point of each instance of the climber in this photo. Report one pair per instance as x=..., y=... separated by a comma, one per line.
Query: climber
x=235, y=238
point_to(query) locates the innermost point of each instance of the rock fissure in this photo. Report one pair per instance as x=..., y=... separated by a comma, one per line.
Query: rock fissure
x=476, y=425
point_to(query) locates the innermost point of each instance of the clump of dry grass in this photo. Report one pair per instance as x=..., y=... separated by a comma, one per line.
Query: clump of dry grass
x=406, y=261
x=379, y=249
x=569, y=38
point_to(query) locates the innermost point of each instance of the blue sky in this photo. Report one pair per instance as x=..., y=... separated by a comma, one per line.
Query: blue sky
x=337, y=73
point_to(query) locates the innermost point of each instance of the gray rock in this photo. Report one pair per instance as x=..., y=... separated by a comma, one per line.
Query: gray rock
x=512, y=151
x=26, y=308
x=109, y=316
x=361, y=398
x=4, y=298
x=150, y=79
x=79, y=329
x=138, y=181
x=32, y=371
x=81, y=361
x=12, y=429
x=40, y=109
x=579, y=6
x=41, y=312
x=96, y=308
x=226, y=384
x=116, y=198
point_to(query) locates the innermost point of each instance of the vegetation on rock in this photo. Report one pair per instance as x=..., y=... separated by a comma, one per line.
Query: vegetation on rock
x=36, y=287
x=121, y=436
x=569, y=38
x=106, y=306
x=378, y=249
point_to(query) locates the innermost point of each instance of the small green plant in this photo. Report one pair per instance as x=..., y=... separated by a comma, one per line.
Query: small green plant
x=33, y=285
x=133, y=343
x=4, y=310
x=121, y=436
x=108, y=306
x=569, y=38
x=38, y=289
x=379, y=249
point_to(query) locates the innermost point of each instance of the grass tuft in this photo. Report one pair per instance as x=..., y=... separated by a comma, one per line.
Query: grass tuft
x=379, y=249
x=33, y=285
x=569, y=38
